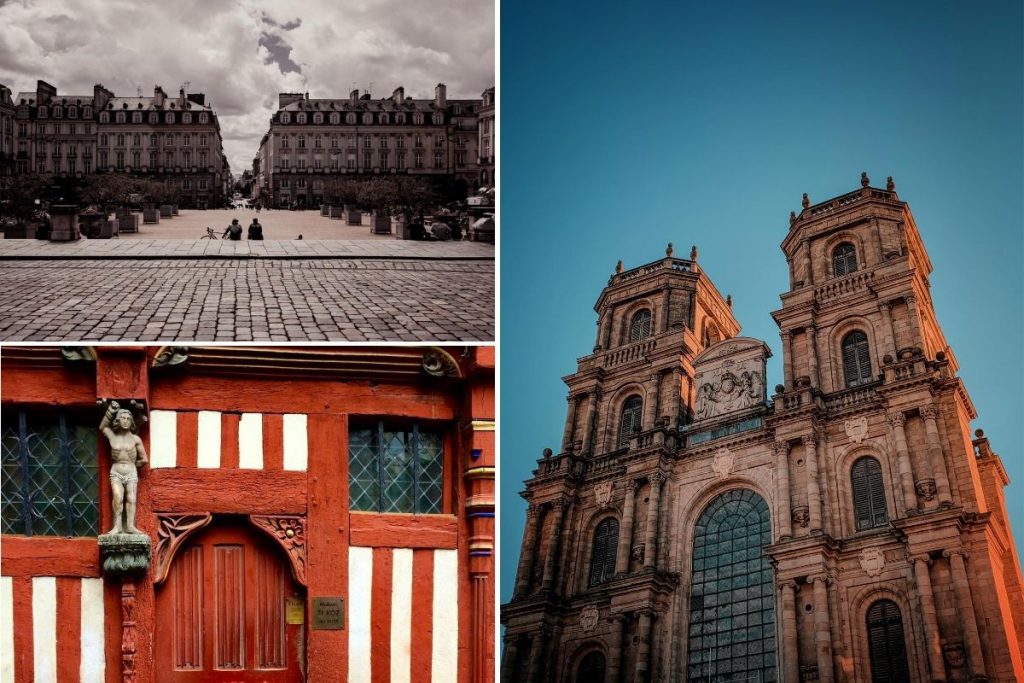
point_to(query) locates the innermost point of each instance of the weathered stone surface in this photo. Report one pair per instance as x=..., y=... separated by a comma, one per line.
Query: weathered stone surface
x=125, y=554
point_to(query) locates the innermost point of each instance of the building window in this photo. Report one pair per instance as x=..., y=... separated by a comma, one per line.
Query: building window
x=640, y=326
x=592, y=668
x=284, y=141
x=186, y=118
x=120, y=140
x=400, y=141
x=104, y=117
x=603, y=551
x=187, y=140
x=384, y=160
x=204, y=118
x=286, y=118
x=437, y=118
x=152, y=160
x=50, y=475
x=629, y=420
x=317, y=163
x=401, y=160
x=383, y=140
x=302, y=142
x=170, y=117
x=885, y=643
x=136, y=140
x=186, y=159
x=86, y=112
x=868, y=494
x=438, y=160
x=104, y=141
x=396, y=469
x=152, y=140
x=399, y=118
x=202, y=183
x=153, y=117
x=300, y=118
x=136, y=160
x=318, y=118
x=367, y=118
x=317, y=141
x=334, y=141
x=366, y=141
x=202, y=140
x=120, y=161
x=418, y=160
x=350, y=118
x=844, y=259
x=732, y=594
x=335, y=118
x=302, y=162
x=119, y=117
x=186, y=184
x=367, y=161
x=856, y=359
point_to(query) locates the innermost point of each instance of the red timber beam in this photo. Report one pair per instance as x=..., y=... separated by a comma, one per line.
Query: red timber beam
x=478, y=463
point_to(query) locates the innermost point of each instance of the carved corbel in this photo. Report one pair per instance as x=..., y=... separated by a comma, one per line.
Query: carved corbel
x=290, y=533
x=172, y=531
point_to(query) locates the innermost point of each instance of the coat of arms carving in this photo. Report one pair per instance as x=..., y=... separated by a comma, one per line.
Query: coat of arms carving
x=588, y=618
x=872, y=561
x=603, y=494
x=857, y=428
x=723, y=462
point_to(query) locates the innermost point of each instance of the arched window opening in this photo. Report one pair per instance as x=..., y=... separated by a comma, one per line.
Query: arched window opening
x=885, y=642
x=629, y=422
x=602, y=556
x=844, y=259
x=592, y=668
x=640, y=326
x=856, y=359
x=732, y=598
x=868, y=494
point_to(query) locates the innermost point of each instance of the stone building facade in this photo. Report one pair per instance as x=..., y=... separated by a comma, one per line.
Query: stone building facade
x=488, y=138
x=175, y=141
x=848, y=529
x=306, y=514
x=315, y=142
x=6, y=131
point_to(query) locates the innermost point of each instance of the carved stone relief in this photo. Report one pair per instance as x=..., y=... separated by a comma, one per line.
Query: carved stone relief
x=290, y=533
x=802, y=515
x=723, y=462
x=603, y=494
x=857, y=428
x=730, y=377
x=926, y=488
x=872, y=561
x=588, y=618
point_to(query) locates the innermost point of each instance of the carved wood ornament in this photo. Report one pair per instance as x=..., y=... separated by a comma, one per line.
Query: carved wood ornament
x=290, y=533
x=172, y=530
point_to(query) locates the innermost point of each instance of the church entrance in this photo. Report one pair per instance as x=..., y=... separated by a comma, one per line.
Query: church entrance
x=223, y=613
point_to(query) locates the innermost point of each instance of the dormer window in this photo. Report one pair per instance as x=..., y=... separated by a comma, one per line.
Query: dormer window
x=417, y=119
x=300, y=118
x=286, y=117
x=186, y=118
x=640, y=326
x=119, y=117
x=58, y=112
x=399, y=118
x=42, y=112
x=170, y=117
x=104, y=117
x=350, y=117
x=384, y=118
x=437, y=118
x=318, y=118
x=367, y=118
x=204, y=118
x=86, y=112
x=844, y=259
x=154, y=117
x=335, y=118
x=137, y=117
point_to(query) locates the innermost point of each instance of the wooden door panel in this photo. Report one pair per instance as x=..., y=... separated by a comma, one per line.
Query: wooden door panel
x=223, y=605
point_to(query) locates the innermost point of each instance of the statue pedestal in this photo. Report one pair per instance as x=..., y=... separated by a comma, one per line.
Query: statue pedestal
x=125, y=554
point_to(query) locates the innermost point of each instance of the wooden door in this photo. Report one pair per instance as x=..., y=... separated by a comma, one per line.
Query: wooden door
x=221, y=611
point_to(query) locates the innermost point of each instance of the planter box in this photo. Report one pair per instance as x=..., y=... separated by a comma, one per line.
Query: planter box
x=174, y=209
x=325, y=210
x=380, y=225
x=128, y=223
x=398, y=227
x=353, y=217
x=366, y=220
x=64, y=222
x=335, y=211
x=166, y=211
x=150, y=216
x=21, y=231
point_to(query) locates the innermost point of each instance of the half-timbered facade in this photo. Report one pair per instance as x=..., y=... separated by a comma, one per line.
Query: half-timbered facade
x=848, y=529
x=317, y=514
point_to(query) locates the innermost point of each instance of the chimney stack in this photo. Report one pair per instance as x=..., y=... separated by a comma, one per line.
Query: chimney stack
x=440, y=96
x=353, y=97
x=398, y=97
x=44, y=92
x=159, y=96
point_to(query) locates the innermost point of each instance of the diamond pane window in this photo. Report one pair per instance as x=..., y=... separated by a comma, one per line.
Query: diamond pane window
x=395, y=470
x=50, y=485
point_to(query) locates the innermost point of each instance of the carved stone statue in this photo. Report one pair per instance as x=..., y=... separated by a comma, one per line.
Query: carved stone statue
x=729, y=394
x=127, y=455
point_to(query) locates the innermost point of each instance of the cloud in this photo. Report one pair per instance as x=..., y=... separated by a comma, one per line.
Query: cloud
x=242, y=53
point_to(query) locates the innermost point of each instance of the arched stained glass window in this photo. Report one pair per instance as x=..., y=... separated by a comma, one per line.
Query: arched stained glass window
x=602, y=556
x=732, y=599
x=886, y=645
x=640, y=325
x=629, y=422
x=868, y=494
x=856, y=359
x=592, y=668
x=844, y=259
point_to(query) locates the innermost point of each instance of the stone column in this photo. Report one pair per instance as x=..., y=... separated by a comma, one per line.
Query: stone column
x=813, y=487
x=666, y=308
x=570, y=431
x=808, y=265
x=540, y=639
x=556, y=533
x=975, y=658
x=932, y=637
x=626, y=530
x=896, y=420
x=888, y=332
x=812, y=355
x=787, y=359
x=930, y=414
x=588, y=422
x=615, y=648
x=822, y=630
x=508, y=658
x=915, y=321
x=529, y=551
x=781, y=450
x=790, y=652
x=643, y=647
x=651, y=536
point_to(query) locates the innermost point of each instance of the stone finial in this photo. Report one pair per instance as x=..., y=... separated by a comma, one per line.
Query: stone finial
x=806, y=201
x=547, y=453
x=669, y=250
x=979, y=433
x=618, y=267
x=728, y=300
x=792, y=217
x=693, y=253
x=864, y=181
x=890, y=185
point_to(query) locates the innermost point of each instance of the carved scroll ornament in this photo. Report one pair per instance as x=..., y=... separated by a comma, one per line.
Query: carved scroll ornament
x=172, y=530
x=290, y=533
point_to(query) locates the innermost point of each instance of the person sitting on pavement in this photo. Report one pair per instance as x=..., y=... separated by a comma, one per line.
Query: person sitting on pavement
x=233, y=231
x=255, y=230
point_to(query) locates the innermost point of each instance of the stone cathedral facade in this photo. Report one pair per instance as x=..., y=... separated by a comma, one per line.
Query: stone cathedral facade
x=846, y=528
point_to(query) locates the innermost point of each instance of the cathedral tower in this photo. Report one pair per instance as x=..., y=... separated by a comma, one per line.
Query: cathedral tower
x=846, y=529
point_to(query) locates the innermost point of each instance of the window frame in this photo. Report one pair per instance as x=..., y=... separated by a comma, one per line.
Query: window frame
x=867, y=489
x=623, y=437
x=636, y=334
x=861, y=360
x=847, y=256
x=888, y=627
x=607, y=573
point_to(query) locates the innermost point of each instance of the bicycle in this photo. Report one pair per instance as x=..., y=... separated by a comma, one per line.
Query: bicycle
x=210, y=234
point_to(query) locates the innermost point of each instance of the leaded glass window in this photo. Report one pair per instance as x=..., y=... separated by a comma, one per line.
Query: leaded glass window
x=885, y=641
x=49, y=475
x=640, y=326
x=602, y=556
x=868, y=494
x=732, y=600
x=844, y=259
x=629, y=422
x=592, y=668
x=395, y=469
x=856, y=359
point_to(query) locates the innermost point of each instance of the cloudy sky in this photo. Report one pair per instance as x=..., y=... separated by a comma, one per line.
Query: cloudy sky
x=242, y=53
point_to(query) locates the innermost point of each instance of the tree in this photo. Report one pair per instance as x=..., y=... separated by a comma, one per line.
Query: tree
x=21, y=195
x=413, y=196
x=108, y=190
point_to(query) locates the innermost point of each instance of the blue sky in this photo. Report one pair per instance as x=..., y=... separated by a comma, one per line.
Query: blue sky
x=627, y=126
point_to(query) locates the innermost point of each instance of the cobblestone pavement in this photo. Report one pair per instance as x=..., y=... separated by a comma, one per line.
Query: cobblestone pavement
x=300, y=297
